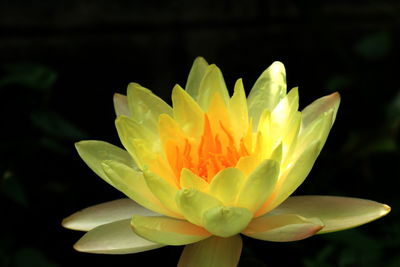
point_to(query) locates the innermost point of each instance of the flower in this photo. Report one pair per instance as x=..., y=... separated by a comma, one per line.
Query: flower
x=210, y=167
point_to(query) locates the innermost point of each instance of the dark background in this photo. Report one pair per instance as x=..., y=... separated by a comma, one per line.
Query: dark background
x=61, y=61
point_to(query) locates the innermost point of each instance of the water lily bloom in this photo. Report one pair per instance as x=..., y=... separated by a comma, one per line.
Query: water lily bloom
x=212, y=167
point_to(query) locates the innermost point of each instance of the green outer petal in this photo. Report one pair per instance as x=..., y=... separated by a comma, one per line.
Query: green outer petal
x=164, y=230
x=163, y=190
x=259, y=185
x=187, y=112
x=121, y=105
x=337, y=213
x=133, y=184
x=226, y=185
x=193, y=204
x=283, y=227
x=226, y=221
x=267, y=91
x=145, y=106
x=319, y=106
x=104, y=213
x=114, y=238
x=195, y=77
x=212, y=252
x=94, y=152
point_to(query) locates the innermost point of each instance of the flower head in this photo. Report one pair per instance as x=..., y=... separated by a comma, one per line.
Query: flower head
x=213, y=166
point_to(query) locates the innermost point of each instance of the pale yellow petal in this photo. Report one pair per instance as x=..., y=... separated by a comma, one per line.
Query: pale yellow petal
x=283, y=227
x=259, y=185
x=114, y=238
x=319, y=106
x=226, y=221
x=107, y=212
x=145, y=107
x=135, y=137
x=193, y=204
x=187, y=112
x=133, y=184
x=248, y=164
x=212, y=83
x=226, y=185
x=167, y=231
x=281, y=118
x=267, y=91
x=212, y=252
x=196, y=75
x=163, y=190
x=337, y=213
x=121, y=105
x=291, y=178
x=191, y=180
x=318, y=130
x=218, y=115
x=238, y=110
x=94, y=153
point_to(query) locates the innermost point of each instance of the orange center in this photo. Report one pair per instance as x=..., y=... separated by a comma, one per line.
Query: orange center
x=209, y=155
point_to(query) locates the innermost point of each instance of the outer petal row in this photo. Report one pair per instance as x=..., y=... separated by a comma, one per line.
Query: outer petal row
x=104, y=213
x=114, y=238
x=296, y=218
x=336, y=213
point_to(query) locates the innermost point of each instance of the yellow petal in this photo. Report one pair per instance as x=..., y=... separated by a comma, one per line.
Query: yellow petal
x=145, y=107
x=107, y=212
x=195, y=77
x=121, y=105
x=94, y=153
x=163, y=190
x=212, y=252
x=259, y=185
x=226, y=185
x=337, y=213
x=226, y=221
x=191, y=180
x=134, y=136
x=132, y=184
x=282, y=227
x=281, y=118
x=319, y=106
x=193, y=204
x=267, y=91
x=212, y=83
x=248, y=164
x=114, y=238
x=238, y=109
x=292, y=177
x=318, y=130
x=167, y=231
x=187, y=112
x=276, y=154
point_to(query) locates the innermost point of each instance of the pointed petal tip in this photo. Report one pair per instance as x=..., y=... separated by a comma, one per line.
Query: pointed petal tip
x=277, y=63
x=200, y=59
x=66, y=223
x=335, y=96
x=386, y=208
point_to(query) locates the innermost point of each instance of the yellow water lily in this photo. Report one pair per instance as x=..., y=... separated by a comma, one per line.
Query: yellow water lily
x=212, y=167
